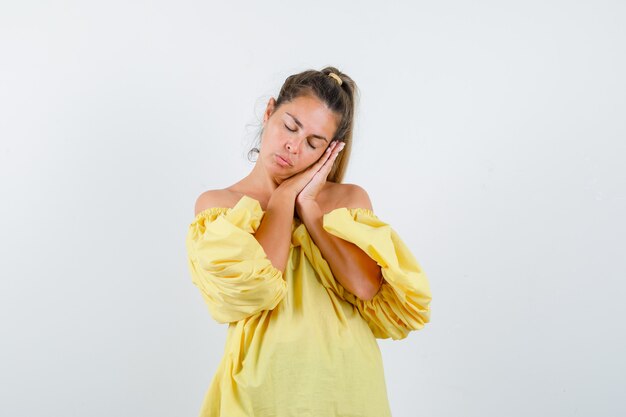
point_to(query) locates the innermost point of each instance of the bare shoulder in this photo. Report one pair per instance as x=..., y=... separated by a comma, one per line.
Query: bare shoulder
x=215, y=198
x=350, y=196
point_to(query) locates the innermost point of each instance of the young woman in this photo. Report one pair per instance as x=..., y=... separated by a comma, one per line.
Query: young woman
x=302, y=270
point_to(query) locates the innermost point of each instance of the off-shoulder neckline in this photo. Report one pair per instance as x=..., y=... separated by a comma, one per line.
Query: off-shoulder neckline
x=206, y=211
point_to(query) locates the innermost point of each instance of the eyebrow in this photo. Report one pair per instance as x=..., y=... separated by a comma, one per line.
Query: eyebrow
x=300, y=124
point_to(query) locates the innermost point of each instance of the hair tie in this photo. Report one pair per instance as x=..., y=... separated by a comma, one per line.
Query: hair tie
x=336, y=77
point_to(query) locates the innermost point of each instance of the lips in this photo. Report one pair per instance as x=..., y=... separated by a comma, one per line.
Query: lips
x=285, y=159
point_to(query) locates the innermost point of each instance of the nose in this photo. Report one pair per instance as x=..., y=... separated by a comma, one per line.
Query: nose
x=293, y=145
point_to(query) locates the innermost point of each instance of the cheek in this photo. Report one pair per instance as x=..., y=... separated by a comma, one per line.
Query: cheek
x=272, y=137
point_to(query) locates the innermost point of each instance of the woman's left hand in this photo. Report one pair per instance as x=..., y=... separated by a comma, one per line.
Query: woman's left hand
x=310, y=191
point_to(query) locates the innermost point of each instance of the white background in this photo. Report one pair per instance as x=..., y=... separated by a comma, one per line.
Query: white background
x=490, y=135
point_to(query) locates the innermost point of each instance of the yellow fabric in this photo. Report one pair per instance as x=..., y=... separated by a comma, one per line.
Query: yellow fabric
x=301, y=344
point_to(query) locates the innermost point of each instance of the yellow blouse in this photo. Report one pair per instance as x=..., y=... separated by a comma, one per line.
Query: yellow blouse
x=300, y=344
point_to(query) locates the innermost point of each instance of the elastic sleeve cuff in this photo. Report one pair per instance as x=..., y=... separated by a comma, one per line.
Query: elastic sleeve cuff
x=403, y=302
x=229, y=265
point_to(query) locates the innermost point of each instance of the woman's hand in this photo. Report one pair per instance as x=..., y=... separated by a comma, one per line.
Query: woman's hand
x=314, y=186
x=295, y=184
x=306, y=200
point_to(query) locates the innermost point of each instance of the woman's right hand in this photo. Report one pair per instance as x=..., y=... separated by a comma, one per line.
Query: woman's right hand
x=294, y=184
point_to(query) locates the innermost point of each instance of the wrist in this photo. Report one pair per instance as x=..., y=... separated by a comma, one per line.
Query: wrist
x=282, y=198
x=308, y=209
x=286, y=191
x=303, y=201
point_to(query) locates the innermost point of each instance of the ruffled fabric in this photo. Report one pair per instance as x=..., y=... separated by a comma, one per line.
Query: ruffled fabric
x=229, y=265
x=403, y=302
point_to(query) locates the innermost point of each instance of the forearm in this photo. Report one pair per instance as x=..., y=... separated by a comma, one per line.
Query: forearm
x=274, y=232
x=351, y=266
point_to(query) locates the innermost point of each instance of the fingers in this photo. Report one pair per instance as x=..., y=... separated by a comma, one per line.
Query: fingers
x=329, y=151
x=331, y=156
x=332, y=150
x=337, y=147
x=318, y=171
x=322, y=159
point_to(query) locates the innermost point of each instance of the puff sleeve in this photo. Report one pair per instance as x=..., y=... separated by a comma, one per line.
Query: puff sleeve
x=228, y=264
x=403, y=302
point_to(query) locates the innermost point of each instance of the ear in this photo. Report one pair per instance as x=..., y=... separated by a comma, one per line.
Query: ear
x=269, y=109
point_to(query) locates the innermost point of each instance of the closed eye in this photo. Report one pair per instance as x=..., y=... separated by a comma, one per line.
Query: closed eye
x=308, y=142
